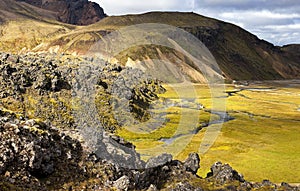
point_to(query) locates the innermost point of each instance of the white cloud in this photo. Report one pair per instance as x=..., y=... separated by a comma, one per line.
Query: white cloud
x=279, y=28
x=280, y=35
x=285, y=27
x=120, y=7
x=254, y=14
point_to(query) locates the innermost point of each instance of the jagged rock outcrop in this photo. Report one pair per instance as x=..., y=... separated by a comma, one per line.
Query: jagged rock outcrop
x=192, y=163
x=77, y=12
x=31, y=150
x=42, y=148
x=223, y=173
x=119, y=152
x=185, y=187
x=122, y=183
x=160, y=160
x=35, y=156
x=43, y=85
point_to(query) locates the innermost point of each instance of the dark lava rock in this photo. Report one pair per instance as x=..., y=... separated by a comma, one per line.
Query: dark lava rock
x=192, y=163
x=286, y=186
x=31, y=150
x=43, y=85
x=77, y=12
x=185, y=187
x=20, y=72
x=118, y=152
x=122, y=183
x=223, y=173
x=159, y=160
x=35, y=156
x=30, y=146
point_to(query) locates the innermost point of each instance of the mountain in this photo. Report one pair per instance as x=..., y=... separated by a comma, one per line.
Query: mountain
x=77, y=12
x=13, y=10
x=24, y=26
x=49, y=99
x=239, y=54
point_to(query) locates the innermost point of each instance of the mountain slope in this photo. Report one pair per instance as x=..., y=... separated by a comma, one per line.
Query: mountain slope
x=23, y=26
x=78, y=12
x=242, y=55
x=12, y=10
x=239, y=54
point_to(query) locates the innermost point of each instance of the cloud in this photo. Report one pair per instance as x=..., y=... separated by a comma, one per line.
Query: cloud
x=276, y=28
x=248, y=4
x=276, y=21
x=120, y=7
x=284, y=34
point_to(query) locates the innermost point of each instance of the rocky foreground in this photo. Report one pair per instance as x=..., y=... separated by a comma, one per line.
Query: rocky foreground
x=35, y=156
x=42, y=147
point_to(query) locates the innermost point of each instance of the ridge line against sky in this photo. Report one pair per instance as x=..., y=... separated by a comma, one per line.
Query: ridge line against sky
x=277, y=21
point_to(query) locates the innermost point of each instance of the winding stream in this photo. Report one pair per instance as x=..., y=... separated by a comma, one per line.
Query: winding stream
x=223, y=117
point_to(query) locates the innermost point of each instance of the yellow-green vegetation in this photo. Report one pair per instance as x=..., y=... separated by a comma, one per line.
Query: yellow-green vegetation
x=182, y=119
x=26, y=28
x=55, y=107
x=29, y=35
x=262, y=142
x=105, y=110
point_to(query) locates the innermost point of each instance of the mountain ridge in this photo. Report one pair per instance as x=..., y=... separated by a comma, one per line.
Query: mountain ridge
x=51, y=140
x=240, y=54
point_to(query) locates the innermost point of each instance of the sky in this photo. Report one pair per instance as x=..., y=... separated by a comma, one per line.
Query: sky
x=277, y=21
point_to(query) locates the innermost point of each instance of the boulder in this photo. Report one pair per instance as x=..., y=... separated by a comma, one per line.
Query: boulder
x=122, y=183
x=192, y=163
x=186, y=187
x=223, y=173
x=160, y=160
x=118, y=152
x=34, y=146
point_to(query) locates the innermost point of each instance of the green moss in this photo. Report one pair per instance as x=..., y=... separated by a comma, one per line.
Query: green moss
x=4, y=186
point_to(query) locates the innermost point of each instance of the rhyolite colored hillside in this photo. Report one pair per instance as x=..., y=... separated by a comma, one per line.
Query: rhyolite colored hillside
x=77, y=12
x=239, y=54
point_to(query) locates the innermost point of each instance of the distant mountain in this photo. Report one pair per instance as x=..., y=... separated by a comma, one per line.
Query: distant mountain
x=240, y=54
x=24, y=27
x=77, y=12
x=13, y=10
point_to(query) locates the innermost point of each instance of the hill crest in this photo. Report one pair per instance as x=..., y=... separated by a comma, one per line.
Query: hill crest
x=239, y=54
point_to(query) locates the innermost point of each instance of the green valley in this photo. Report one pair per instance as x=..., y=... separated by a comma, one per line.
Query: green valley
x=262, y=139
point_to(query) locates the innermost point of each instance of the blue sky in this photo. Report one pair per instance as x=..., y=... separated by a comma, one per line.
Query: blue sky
x=277, y=21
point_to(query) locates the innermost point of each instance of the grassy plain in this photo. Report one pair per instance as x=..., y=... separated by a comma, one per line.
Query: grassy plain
x=261, y=142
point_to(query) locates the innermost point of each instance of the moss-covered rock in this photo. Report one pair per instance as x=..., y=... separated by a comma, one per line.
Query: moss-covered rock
x=44, y=86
